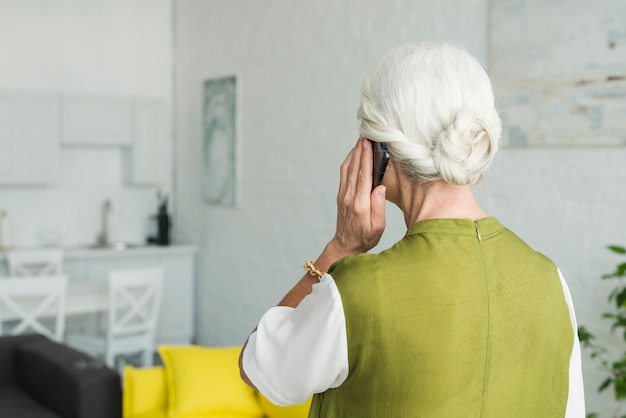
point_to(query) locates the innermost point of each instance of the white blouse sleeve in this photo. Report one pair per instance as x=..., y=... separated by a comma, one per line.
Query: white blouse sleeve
x=296, y=352
x=576, y=396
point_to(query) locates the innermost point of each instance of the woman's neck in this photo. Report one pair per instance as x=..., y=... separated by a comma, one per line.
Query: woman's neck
x=438, y=199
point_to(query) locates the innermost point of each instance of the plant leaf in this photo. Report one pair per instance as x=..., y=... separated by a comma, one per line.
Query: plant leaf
x=605, y=384
x=584, y=335
x=617, y=249
x=621, y=298
x=620, y=388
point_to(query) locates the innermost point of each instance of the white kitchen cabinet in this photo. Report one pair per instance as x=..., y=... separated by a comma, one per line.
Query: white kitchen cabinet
x=9, y=114
x=147, y=157
x=34, y=125
x=29, y=138
x=93, y=120
x=138, y=125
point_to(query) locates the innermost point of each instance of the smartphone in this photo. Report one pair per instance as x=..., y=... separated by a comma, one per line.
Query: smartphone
x=381, y=158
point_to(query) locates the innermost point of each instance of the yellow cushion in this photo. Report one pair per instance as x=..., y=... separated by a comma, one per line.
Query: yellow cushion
x=205, y=382
x=145, y=393
x=152, y=414
x=293, y=411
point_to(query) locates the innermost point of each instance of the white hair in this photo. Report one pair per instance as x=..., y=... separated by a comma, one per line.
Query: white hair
x=433, y=105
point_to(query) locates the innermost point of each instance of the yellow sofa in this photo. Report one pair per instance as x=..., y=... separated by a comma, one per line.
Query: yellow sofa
x=197, y=382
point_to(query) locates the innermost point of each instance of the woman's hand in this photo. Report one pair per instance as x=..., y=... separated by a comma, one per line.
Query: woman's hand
x=360, y=218
x=360, y=211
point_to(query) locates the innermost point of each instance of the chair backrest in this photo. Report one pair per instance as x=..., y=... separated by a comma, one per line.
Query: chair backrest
x=134, y=302
x=33, y=304
x=30, y=263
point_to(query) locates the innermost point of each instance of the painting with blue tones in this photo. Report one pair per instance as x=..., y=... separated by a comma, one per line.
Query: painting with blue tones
x=220, y=141
x=560, y=72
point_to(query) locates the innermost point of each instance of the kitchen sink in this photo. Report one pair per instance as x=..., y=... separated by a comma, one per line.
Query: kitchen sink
x=118, y=246
x=115, y=246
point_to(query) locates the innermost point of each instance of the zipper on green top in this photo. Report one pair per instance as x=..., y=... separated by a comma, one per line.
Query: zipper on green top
x=477, y=231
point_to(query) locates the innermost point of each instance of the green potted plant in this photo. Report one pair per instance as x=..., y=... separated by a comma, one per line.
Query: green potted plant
x=614, y=367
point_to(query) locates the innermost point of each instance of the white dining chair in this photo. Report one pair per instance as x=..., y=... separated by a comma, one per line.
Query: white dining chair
x=30, y=263
x=132, y=317
x=33, y=304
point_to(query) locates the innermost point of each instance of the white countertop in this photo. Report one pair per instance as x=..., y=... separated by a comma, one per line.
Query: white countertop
x=85, y=252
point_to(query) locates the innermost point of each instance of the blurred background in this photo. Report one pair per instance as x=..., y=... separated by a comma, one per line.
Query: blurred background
x=559, y=71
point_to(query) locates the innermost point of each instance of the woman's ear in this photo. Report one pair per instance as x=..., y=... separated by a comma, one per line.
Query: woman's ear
x=390, y=181
x=391, y=172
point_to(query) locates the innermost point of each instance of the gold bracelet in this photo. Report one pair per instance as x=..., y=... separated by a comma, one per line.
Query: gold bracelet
x=313, y=271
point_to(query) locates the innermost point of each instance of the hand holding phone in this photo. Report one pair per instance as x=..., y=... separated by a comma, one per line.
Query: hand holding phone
x=381, y=158
x=360, y=215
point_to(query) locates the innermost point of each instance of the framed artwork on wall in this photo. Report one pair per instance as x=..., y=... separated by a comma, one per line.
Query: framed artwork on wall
x=220, y=141
x=560, y=75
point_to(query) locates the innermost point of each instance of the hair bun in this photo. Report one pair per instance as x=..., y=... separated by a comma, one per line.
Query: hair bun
x=465, y=149
x=433, y=104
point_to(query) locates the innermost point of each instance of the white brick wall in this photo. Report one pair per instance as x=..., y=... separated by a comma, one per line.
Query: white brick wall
x=299, y=67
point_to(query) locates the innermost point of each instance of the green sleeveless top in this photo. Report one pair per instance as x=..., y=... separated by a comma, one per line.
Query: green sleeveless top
x=460, y=318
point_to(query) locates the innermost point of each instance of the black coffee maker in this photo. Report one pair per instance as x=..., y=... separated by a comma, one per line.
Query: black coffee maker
x=162, y=223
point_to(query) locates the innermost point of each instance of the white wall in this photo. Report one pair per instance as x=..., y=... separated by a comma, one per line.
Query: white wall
x=104, y=47
x=299, y=67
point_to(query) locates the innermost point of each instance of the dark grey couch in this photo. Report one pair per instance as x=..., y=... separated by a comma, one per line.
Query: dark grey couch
x=40, y=378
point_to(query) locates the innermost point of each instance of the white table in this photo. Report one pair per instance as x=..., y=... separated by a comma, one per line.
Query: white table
x=82, y=297
x=87, y=297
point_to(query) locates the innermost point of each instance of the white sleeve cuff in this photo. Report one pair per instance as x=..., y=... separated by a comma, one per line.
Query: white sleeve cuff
x=297, y=352
x=576, y=395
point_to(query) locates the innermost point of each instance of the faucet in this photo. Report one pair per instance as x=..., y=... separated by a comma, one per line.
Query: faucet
x=103, y=236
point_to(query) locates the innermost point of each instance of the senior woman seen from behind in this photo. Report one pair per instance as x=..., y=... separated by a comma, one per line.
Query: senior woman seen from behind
x=460, y=318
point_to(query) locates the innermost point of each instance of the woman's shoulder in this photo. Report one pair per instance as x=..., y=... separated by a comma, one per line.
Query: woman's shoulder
x=365, y=266
x=369, y=263
x=355, y=262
